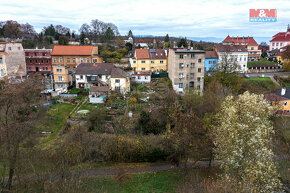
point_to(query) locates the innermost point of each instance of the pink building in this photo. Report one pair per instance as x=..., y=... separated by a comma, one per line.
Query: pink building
x=280, y=40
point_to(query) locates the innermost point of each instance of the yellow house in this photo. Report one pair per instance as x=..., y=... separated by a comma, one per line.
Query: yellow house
x=281, y=58
x=61, y=77
x=71, y=56
x=281, y=100
x=120, y=81
x=149, y=60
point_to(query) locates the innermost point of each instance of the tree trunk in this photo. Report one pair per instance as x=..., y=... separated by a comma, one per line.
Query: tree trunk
x=12, y=167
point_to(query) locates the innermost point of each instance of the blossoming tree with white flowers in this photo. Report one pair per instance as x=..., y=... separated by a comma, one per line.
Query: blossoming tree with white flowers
x=242, y=142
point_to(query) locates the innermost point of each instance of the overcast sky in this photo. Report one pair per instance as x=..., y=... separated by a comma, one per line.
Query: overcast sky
x=191, y=18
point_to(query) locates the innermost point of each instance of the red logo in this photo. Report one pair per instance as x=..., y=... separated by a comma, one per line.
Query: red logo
x=263, y=13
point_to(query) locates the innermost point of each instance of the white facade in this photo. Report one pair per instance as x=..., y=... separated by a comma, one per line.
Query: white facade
x=239, y=58
x=141, y=78
x=83, y=79
x=278, y=45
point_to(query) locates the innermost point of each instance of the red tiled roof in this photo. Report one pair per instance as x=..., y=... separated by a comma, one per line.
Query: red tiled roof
x=230, y=48
x=211, y=54
x=150, y=54
x=281, y=37
x=274, y=97
x=142, y=53
x=248, y=40
x=72, y=50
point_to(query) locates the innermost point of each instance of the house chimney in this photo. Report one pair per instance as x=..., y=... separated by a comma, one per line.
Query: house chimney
x=283, y=91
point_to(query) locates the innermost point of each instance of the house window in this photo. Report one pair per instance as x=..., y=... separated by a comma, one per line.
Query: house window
x=152, y=61
x=143, y=61
x=180, y=75
x=67, y=60
x=81, y=76
x=1, y=61
x=281, y=44
x=2, y=72
x=192, y=55
x=252, y=48
x=180, y=85
x=285, y=103
x=277, y=44
x=43, y=68
x=198, y=79
x=117, y=81
x=181, y=56
x=199, y=69
x=143, y=68
x=161, y=61
x=245, y=59
x=146, y=77
x=240, y=58
x=46, y=68
x=273, y=44
x=181, y=65
x=199, y=60
x=192, y=65
x=117, y=88
x=95, y=60
x=93, y=78
x=60, y=79
x=191, y=75
x=134, y=62
x=214, y=62
x=58, y=70
x=54, y=60
x=139, y=77
x=19, y=48
x=198, y=87
x=74, y=60
x=209, y=62
x=9, y=48
x=60, y=59
x=88, y=60
x=81, y=59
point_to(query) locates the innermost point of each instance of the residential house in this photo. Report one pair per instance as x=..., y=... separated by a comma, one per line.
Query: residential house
x=186, y=69
x=93, y=74
x=280, y=40
x=12, y=60
x=141, y=77
x=281, y=57
x=154, y=60
x=232, y=55
x=147, y=43
x=38, y=60
x=254, y=54
x=72, y=55
x=281, y=100
x=211, y=60
x=120, y=81
x=62, y=77
x=101, y=74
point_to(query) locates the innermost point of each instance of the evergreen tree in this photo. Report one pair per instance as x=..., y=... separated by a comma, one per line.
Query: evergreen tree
x=167, y=38
x=82, y=38
x=130, y=33
x=109, y=35
x=67, y=34
x=191, y=44
x=182, y=42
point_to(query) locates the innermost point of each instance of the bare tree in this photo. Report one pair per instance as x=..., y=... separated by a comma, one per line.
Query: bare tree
x=12, y=29
x=19, y=106
x=61, y=29
x=27, y=31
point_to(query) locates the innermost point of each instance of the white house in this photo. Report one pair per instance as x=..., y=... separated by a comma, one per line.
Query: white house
x=141, y=77
x=233, y=55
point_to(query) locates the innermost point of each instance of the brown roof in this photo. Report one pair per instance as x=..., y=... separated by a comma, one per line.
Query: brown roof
x=95, y=69
x=100, y=89
x=118, y=73
x=142, y=53
x=150, y=54
x=72, y=50
x=230, y=48
x=211, y=54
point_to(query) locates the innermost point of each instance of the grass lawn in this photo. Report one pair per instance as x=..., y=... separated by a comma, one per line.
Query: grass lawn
x=147, y=182
x=55, y=120
x=261, y=61
x=260, y=85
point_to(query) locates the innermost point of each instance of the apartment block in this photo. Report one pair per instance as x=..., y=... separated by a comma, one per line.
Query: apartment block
x=186, y=69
